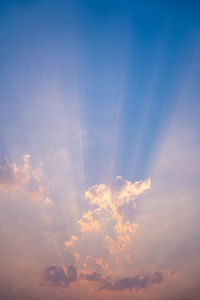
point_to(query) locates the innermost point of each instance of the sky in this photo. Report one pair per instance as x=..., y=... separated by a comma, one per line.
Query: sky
x=99, y=150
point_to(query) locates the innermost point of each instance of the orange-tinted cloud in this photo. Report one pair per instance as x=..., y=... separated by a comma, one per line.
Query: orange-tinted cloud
x=22, y=178
x=109, y=217
x=101, y=263
x=71, y=242
x=88, y=223
x=114, y=200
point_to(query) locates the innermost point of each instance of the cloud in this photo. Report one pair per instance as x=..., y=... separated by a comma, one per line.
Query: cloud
x=114, y=199
x=68, y=244
x=101, y=263
x=137, y=283
x=91, y=277
x=112, y=246
x=14, y=176
x=57, y=276
x=124, y=231
x=88, y=223
x=11, y=176
x=112, y=206
x=107, y=227
x=23, y=178
x=117, y=194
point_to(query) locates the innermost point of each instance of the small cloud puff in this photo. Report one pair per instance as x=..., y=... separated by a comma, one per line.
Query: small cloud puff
x=68, y=244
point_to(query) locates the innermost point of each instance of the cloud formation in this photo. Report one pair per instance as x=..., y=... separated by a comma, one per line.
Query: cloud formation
x=23, y=178
x=137, y=283
x=112, y=204
x=113, y=197
x=12, y=176
x=88, y=223
x=91, y=276
x=71, y=242
x=110, y=221
x=57, y=276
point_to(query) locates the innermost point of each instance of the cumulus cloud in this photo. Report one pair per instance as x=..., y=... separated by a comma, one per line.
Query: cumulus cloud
x=116, y=200
x=57, y=276
x=109, y=219
x=22, y=178
x=137, y=283
x=88, y=223
x=12, y=176
x=117, y=194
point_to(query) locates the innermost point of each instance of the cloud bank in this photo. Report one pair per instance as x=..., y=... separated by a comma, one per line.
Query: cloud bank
x=56, y=276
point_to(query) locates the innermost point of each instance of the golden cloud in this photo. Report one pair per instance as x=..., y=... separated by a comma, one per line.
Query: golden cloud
x=108, y=217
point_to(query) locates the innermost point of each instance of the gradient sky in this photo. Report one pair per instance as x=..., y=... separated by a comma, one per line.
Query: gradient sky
x=99, y=150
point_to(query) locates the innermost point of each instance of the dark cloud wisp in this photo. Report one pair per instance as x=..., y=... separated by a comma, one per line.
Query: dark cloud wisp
x=57, y=276
x=137, y=282
x=91, y=277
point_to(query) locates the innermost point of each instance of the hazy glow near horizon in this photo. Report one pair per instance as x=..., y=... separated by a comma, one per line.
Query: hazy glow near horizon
x=99, y=150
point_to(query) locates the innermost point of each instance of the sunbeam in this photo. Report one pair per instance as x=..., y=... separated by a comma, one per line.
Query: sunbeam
x=99, y=150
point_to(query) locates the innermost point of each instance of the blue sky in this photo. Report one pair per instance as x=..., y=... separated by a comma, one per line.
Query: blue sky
x=126, y=60
x=93, y=90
